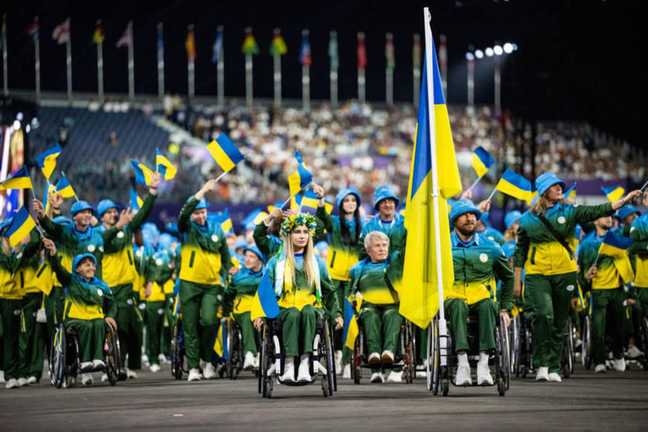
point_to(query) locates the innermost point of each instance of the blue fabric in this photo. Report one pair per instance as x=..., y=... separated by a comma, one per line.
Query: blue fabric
x=104, y=206
x=545, y=181
x=461, y=208
x=202, y=204
x=511, y=218
x=80, y=206
x=382, y=193
x=343, y=193
x=457, y=242
x=255, y=250
x=626, y=211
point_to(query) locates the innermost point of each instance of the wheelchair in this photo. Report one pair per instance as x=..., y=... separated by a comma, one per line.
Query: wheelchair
x=521, y=345
x=405, y=357
x=178, y=367
x=64, y=358
x=233, y=349
x=568, y=351
x=272, y=360
x=442, y=361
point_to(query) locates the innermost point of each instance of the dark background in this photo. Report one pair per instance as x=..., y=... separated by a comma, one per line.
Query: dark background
x=577, y=60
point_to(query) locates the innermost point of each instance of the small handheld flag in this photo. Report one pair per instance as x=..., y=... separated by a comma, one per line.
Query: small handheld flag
x=164, y=166
x=613, y=193
x=514, y=185
x=224, y=152
x=21, y=226
x=143, y=174
x=47, y=160
x=308, y=202
x=350, y=330
x=570, y=192
x=616, y=246
x=482, y=161
x=20, y=180
x=301, y=178
x=135, y=201
x=265, y=302
x=64, y=187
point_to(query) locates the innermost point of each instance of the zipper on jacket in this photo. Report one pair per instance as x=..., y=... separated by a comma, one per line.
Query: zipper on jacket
x=533, y=252
x=191, y=259
x=130, y=258
x=333, y=259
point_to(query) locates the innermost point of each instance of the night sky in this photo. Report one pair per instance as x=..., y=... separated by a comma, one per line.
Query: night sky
x=577, y=59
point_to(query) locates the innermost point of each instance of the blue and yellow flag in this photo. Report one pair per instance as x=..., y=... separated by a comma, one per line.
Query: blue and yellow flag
x=301, y=178
x=224, y=152
x=143, y=174
x=164, y=166
x=570, y=192
x=47, y=160
x=20, y=180
x=220, y=344
x=351, y=329
x=46, y=191
x=613, y=193
x=308, y=202
x=419, y=291
x=64, y=187
x=513, y=184
x=616, y=246
x=265, y=303
x=135, y=201
x=21, y=226
x=482, y=161
x=225, y=221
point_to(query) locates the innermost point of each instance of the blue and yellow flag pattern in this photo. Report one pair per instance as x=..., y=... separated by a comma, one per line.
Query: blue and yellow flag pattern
x=419, y=291
x=47, y=160
x=300, y=178
x=20, y=180
x=265, y=301
x=516, y=186
x=143, y=174
x=350, y=330
x=482, y=161
x=21, y=226
x=613, y=193
x=224, y=152
x=64, y=187
x=164, y=166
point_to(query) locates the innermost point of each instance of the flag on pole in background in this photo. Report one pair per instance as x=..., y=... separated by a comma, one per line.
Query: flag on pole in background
x=333, y=50
x=143, y=174
x=482, y=161
x=61, y=33
x=419, y=290
x=305, y=50
x=217, y=49
x=64, y=187
x=190, y=44
x=126, y=38
x=19, y=180
x=98, y=35
x=224, y=152
x=250, y=46
x=390, y=58
x=164, y=166
x=361, y=52
x=47, y=160
x=300, y=178
x=33, y=28
x=278, y=46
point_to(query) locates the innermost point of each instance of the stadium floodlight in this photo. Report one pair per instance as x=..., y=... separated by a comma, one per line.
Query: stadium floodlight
x=479, y=54
x=16, y=125
x=470, y=56
x=515, y=47
x=498, y=50
x=508, y=48
x=489, y=52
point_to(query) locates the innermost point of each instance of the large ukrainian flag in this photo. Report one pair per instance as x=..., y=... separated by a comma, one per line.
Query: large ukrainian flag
x=419, y=300
x=265, y=301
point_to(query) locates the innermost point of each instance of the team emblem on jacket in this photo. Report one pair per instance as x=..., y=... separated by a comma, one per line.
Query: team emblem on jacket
x=158, y=262
x=562, y=220
x=570, y=288
x=120, y=234
x=214, y=238
x=99, y=292
x=483, y=257
x=91, y=248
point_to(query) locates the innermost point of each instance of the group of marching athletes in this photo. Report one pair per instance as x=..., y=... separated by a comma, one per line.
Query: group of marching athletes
x=106, y=267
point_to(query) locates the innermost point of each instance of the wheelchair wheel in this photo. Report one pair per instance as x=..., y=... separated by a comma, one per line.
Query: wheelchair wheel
x=409, y=353
x=326, y=353
x=568, y=355
x=502, y=363
x=356, y=361
x=177, y=351
x=586, y=344
x=113, y=357
x=72, y=360
x=234, y=362
x=433, y=363
x=514, y=355
x=267, y=355
x=57, y=359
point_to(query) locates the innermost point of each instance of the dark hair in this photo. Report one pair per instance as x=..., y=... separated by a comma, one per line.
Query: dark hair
x=347, y=238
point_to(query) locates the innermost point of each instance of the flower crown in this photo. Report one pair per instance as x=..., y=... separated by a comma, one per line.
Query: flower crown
x=293, y=221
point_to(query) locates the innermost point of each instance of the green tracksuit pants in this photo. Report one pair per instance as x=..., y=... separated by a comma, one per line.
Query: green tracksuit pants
x=608, y=312
x=92, y=334
x=298, y=330
x=155, y=312
x=11, y=313
x=247, y=332
x=381, y=325
x=129, y=326
x=458, y=311
x=31, y=342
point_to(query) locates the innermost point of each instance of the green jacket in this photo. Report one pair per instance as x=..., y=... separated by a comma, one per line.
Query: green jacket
x=538, y=251
x=268, y=244
x=375, y=280
x=342, y=255
x=397, y=237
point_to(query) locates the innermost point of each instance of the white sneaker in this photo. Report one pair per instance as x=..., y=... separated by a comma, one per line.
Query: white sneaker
x=194, y=375
x=131, y=374
x=85, y=366
x=86, y=379
x=98, y=364
x=463, y=375
x=554, y=377
x=256, y=361
x=104, y=377
x=542, y=374
x=395, y=377
x=22, y=382
x=619, y=365
x=483, y=371
x=634, y=352
x=11, y=383
x=289, y=371
x=600, y=368
x=346, y=372
x=155, y=368
x=577, y=343
x=2, y=379
x=338, y=362
x=248, y=363
x=163, y=359
x=374, y=359
x=145, y=359
x=377, y=378
x=387, y=357
x=303, y=373
x=210, y=371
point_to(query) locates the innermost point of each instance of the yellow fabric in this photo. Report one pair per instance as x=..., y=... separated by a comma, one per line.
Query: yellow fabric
x=66, y=263
x=82, y=311
x=168, y=286
x=200, y=266
x=549, y=258
x=45, y=278
x=297, y=299
x=118, y=268
x=8, y=286
x=157, y=293
x=29, y=281
x=606, y=278
x=339, y=264
x=641, y=272
x=471, y=292
x=380, y=296
x=243, y=303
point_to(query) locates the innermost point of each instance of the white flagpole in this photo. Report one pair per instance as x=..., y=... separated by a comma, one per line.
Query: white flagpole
x=220, y=70
x=100, y=80
x=305, y=80
x=333, y=73
x=160, y=60
x=68, y=61
x=37, y=83
x=5, y=54
x=131, y=62
x=435, y=180
x=276, y=62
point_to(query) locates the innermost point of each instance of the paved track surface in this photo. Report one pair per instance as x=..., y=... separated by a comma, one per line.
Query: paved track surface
x=155, y=402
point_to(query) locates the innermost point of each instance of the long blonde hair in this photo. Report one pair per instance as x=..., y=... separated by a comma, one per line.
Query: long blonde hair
x=541, y=206
x=311, y=266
